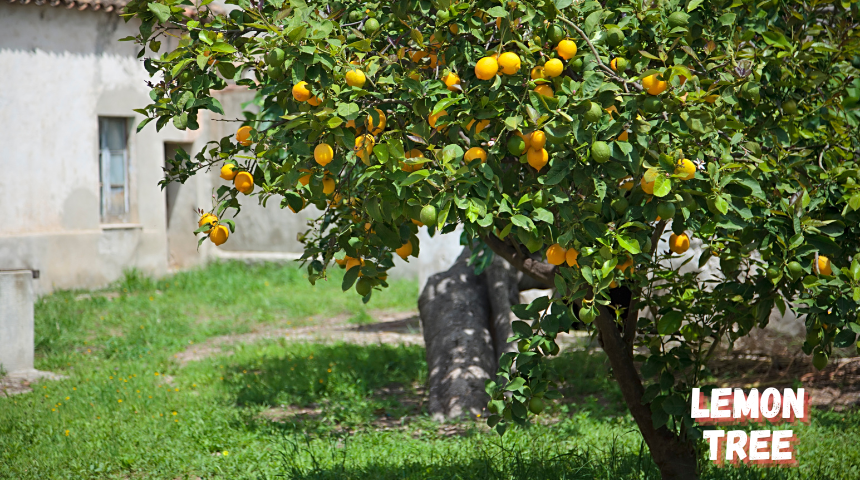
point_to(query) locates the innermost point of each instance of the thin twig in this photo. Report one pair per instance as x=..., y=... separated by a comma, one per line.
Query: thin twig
x=597, y=56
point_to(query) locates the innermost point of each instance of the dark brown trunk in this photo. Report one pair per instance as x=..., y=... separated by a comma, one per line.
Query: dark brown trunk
x=675, y=458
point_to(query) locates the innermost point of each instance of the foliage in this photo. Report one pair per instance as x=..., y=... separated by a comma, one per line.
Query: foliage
x=742, y=116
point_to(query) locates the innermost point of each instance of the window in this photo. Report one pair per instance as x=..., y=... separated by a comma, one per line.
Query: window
x=113, y=168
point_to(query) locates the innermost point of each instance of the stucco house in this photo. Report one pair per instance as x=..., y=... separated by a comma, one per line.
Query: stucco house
x=79, y=187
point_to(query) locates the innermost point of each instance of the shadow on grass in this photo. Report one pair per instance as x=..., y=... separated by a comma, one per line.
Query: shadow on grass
x=330, y=383
x=337, y=457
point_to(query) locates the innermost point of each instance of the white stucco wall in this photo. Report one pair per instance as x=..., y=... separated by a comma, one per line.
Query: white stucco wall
x=62, y=69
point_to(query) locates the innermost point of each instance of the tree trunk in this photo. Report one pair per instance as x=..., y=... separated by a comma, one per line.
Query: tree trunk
x=503, y=292
x=454, y=311
x=675, y=458
x=466, y=319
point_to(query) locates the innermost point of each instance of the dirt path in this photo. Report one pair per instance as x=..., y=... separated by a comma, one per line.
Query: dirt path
x=394, y=328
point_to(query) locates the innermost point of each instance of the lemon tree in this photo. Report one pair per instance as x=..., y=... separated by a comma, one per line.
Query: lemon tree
x=582, y=131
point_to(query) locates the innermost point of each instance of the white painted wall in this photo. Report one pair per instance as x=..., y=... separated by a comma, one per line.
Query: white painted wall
x=61, y=70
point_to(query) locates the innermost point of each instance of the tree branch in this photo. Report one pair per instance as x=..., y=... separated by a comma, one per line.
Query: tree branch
x=600, y=63
x=542, y=272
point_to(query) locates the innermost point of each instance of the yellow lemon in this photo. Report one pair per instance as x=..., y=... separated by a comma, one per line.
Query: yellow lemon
x=686, y=169
x=301, y=92
x=323, y=154
x=566, y=49
x=219, y=234
x=679, y=243
x=243, y=135
x=509, y=62
x=475, y=153
x=555, y=254
x=244, y=182
x=355, y=78
x=553, y=67
x=228, y=171
x=486, y=68
x=537, y=158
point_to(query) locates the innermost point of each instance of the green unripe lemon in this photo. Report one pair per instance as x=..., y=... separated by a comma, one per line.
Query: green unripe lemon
x=600, y=151
x=666, y=210
x=536, y=405
x=443, y=16
x=555, y=34
x=576, y=65
x=364, y=286
x=789, y=107
x=795, y=270
x=586, y=315
x=614, y=37
x=534, y=244
x=678, y=19
x=593, y=112
x=812, y=338
x=428, y=215
x=516, y=145
x=275, y=58
x=371, y=26
x=773, y=273
x=523, y=345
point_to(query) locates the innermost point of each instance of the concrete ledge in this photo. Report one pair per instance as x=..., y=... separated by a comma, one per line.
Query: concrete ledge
x=19, y=382
x=255, y=256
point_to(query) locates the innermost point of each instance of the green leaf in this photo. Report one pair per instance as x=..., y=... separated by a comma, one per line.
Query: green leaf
x=776, y=39
x=415, y=177
x=721, y=204
x=543, y=215
x=523, y=221
x=629, y=244
x=381, y=152
x=162, y=12
x=591, y=82
x=694, y=4
x=662, y=186
x=497, y=12
x=727, y=19
x=521, y=328
x=349, y=278
x=516, y=384
x=593, y=21
x=562, y=4
x=444, y=104
x=670, y=322
x=223, y=47
x=675, y=405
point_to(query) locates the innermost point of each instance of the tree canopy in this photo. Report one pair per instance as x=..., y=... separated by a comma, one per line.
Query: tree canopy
x=578, y=131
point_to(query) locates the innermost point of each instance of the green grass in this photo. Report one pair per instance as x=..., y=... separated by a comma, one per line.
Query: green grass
x=178, y=421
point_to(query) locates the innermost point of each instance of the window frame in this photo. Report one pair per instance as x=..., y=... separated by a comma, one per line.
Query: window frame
x=105, y=185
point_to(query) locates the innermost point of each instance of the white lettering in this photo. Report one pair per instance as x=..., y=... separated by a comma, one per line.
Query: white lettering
x=745, y=406
x=718, y=402
x=792, y=401
x=736, y=441
x=771, y=398
x=779, y=440
x=713, y=437
x=696, y=411
x=758, y=440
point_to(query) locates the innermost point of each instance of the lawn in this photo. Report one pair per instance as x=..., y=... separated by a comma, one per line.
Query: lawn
x=278, y=409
